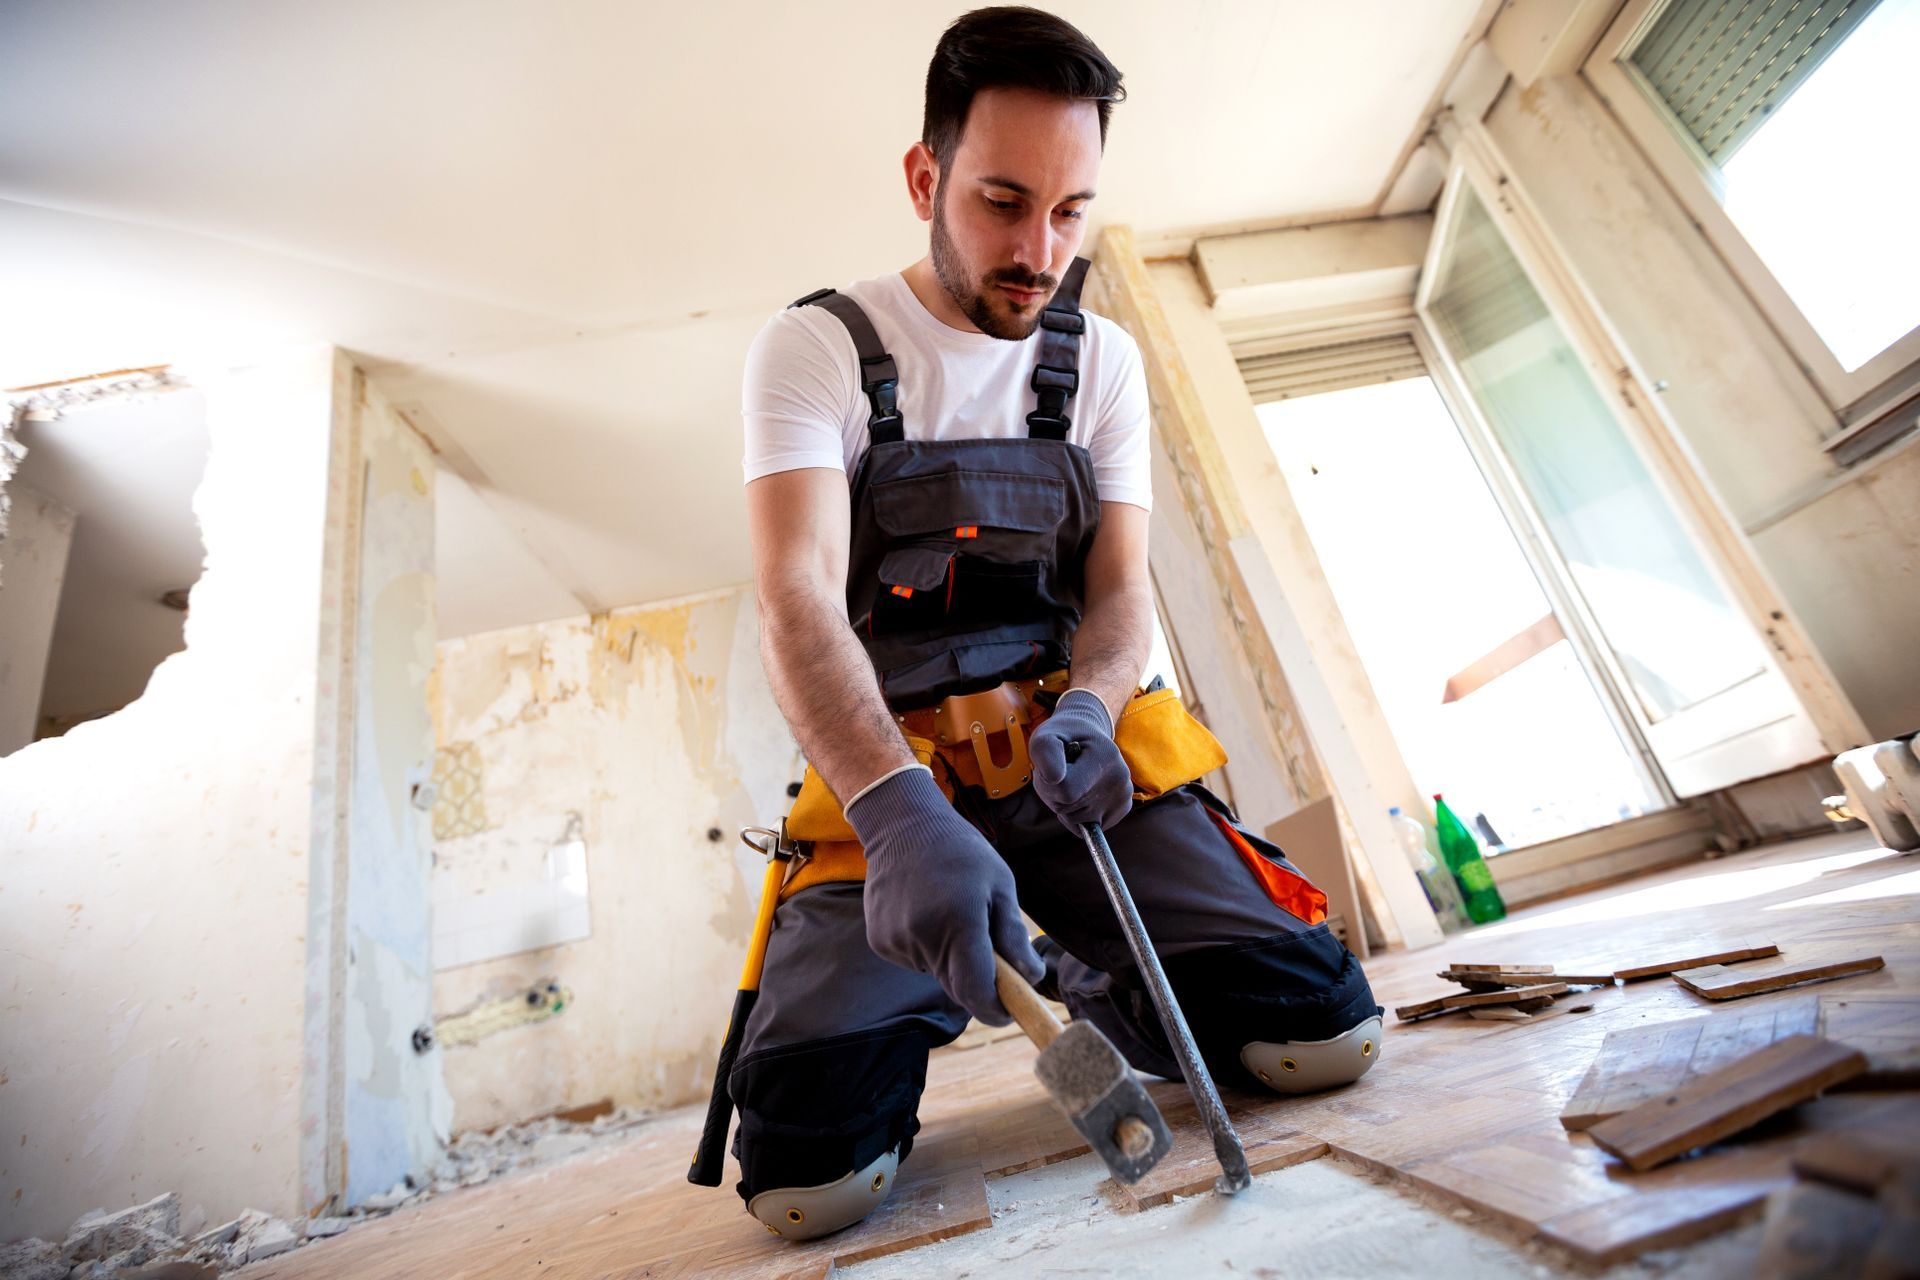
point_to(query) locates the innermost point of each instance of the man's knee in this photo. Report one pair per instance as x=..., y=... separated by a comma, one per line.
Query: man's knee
x=1308, y=1066
x=1293, y=1013
x=825, y=1125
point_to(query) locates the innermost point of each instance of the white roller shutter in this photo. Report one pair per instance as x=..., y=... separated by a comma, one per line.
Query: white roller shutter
x=1306, y=371
x=1722, y=66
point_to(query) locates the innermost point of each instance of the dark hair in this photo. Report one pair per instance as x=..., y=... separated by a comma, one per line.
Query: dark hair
x=1011, y=47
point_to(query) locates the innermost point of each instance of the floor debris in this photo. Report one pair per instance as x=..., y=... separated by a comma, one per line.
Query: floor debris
x=146, y=1241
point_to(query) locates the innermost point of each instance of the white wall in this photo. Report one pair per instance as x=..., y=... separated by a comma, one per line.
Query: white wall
x=153, y=896
x=33, y=565
x=654, y=724
x=1843, y=548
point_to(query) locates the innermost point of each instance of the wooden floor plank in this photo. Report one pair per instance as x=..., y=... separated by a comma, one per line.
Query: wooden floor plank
x=1718, y=982
x=1814, y=1232
x=1694, y=960
x=1636, y=1064
x=1726, y=1101
x=1467, y=1110
x=1884, y=1025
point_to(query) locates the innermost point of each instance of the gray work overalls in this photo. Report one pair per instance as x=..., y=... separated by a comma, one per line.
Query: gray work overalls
x=965, y=569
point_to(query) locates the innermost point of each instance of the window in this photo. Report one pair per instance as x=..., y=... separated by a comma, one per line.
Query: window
x=1784, y=126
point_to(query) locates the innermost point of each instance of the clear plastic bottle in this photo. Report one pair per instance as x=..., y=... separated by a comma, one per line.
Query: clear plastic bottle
x=1443, y=895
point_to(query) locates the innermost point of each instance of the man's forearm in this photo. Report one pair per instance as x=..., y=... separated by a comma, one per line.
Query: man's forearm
x=825, y=685
x=1111, y=647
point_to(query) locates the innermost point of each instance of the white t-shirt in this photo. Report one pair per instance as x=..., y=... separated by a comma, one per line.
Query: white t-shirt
x=804, y=407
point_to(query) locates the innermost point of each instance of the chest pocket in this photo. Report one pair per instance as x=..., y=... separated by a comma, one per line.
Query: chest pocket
x=966, y=548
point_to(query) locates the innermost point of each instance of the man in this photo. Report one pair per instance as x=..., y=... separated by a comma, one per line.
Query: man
x=947, y=488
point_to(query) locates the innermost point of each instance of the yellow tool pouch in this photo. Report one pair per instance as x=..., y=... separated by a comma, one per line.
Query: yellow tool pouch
x=1163, y=745
x=818, y=820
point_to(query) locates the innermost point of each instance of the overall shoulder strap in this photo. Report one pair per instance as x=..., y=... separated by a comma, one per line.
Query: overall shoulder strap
x=878, y=376
x=1056, y=375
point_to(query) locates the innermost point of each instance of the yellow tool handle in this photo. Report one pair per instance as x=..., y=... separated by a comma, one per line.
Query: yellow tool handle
x=710, y=1157
x=756, y=961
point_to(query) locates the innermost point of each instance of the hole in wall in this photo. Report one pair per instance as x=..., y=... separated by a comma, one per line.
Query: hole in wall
x=101, y=552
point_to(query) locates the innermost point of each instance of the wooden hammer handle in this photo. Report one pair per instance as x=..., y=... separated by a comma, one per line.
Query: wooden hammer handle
x=1025, y=1004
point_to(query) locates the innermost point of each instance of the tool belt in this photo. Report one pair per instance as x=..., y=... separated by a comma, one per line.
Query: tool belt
x=980, y=740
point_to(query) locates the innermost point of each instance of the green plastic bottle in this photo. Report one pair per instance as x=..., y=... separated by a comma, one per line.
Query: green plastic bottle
x=1462, y=855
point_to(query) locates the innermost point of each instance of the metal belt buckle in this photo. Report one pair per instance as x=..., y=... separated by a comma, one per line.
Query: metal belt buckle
x=777, y=846
x=972, y=717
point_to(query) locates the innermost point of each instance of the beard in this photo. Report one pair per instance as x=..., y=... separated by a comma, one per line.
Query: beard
x=976, y=302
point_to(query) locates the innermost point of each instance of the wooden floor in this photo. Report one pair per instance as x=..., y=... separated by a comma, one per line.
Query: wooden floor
x=1465, y=1109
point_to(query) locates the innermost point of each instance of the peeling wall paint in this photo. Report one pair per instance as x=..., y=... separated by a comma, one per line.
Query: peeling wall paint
x=153, y=888
x=655, y=725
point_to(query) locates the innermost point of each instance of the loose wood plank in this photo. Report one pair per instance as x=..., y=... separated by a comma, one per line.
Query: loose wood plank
x=1637, y=1064
x=1717, y=982
x=1471, y=980
x=1501, y=1013
x=1814, y=1232
x=1424, y=1009
x=1858, y=1161
x=1724, y=1102
x=1515, y=995
x=1500, y=970
x=1884, y=1025
x=1634, y=973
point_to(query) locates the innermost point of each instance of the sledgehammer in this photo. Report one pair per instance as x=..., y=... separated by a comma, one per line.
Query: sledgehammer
x=1089, y=1081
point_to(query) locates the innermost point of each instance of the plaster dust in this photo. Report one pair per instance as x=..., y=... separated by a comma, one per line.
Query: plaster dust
x=1321, y=1218
x=652, y=725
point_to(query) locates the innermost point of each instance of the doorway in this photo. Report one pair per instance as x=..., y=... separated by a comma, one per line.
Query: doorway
x=1487, y=698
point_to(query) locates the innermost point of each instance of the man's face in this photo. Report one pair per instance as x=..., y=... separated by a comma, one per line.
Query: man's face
x=1009, y=212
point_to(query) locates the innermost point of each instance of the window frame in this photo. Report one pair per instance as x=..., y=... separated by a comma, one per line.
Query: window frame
x=1474, y=158
x=1858, y=398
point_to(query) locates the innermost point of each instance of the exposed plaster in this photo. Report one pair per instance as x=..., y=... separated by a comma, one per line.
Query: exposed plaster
x=655, y=726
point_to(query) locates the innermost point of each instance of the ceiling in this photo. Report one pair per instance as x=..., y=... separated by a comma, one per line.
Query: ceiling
x=550, y=231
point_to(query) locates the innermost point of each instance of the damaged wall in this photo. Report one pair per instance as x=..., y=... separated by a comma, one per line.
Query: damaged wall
x=33, y=567
x=1843, y=547
x=214, y=899
x=374, y=1102
x=154, y=893
x=651, y=726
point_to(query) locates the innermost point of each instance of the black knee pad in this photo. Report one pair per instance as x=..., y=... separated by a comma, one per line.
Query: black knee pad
x=811, y=1113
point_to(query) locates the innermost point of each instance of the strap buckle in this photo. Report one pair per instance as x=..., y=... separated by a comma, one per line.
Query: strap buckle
x=1061, y=320
x=1048, y=377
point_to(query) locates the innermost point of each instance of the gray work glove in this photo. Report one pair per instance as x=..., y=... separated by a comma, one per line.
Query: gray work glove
x=1077, y=769
x=939, y=899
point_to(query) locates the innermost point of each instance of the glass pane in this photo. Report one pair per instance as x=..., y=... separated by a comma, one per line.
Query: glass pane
x=1430, y=580
x=1677, y=637
x=1821, y=193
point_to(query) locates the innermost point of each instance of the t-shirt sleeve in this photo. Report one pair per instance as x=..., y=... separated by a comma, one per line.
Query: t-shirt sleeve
x=793, y=398
x=1122, y=463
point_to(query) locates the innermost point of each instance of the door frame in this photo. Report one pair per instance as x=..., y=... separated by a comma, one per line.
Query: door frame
x=1474, y=163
